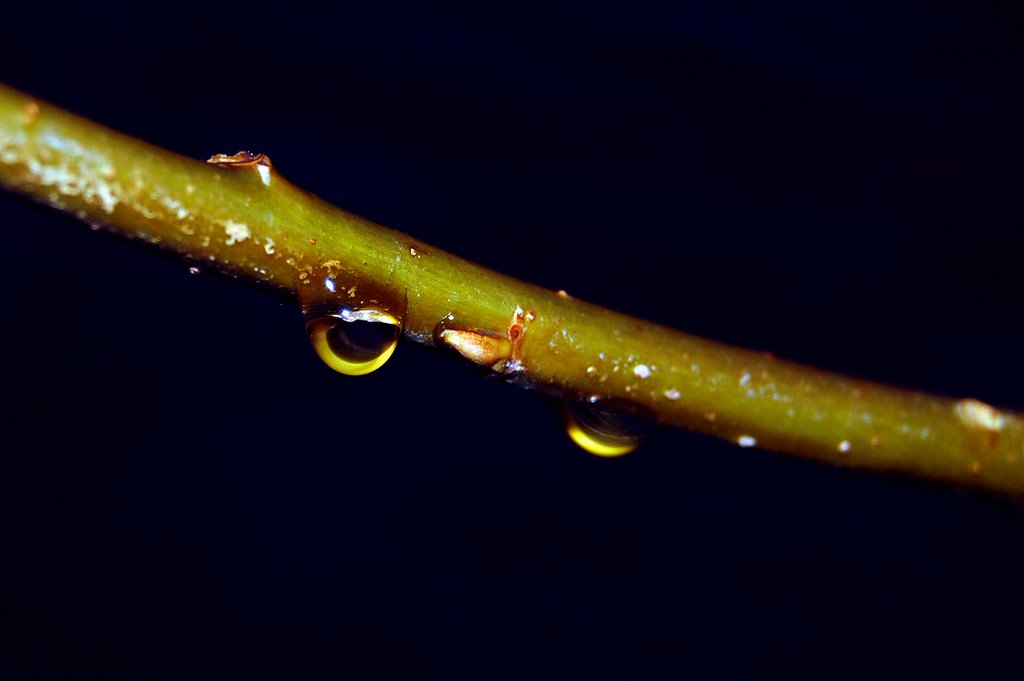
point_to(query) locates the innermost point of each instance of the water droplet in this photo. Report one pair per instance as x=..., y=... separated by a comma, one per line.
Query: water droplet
x=746, y=441
x=843, y=447
x=352, y=341
x=194, y=270
x=603, y=428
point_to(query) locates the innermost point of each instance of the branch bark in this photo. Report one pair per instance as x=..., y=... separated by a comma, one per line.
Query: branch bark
x=237, y=214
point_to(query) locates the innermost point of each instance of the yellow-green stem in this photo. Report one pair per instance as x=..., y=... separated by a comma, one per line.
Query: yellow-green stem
x=238, y=215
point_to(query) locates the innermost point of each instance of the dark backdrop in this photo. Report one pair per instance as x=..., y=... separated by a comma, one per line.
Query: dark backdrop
x=191, y=490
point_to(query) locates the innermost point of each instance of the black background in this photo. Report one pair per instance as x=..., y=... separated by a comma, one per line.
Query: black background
x=192, y=491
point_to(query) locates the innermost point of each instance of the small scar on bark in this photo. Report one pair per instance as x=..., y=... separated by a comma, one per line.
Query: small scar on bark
x=30, y=113
x=515, y=333
x=258, y=162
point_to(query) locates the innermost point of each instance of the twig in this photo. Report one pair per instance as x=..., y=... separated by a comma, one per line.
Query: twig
x=238, y=215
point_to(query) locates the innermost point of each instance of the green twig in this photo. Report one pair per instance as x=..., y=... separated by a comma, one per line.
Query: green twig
x=238, y=215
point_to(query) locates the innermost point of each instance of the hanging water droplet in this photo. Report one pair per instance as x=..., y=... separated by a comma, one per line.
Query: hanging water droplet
x=352, y=341
x=603, y=428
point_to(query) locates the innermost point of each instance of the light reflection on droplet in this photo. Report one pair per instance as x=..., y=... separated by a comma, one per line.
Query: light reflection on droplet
x=353, y=342
x=604, y=429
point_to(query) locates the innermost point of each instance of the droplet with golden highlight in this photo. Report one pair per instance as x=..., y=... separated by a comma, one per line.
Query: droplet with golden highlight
x=352, y=341
x=604, y=429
